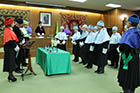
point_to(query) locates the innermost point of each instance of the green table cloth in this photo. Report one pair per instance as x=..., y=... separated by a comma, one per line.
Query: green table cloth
x=53, y=63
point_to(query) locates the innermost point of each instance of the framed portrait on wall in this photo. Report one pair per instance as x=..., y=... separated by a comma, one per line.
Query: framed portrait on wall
x=45, y=18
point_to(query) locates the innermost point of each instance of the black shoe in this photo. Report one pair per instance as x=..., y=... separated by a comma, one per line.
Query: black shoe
x=11, y=78
x=84, y=63
x=88, y=66
x=100, y=72
x=76, y=60
x=111, y=65
x=96, y=71
x=24, y=64
x=81, y=62
x=18, y=71
x=115, y=66
x=130, y=91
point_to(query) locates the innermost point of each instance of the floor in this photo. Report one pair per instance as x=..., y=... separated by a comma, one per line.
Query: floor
x=81, y=80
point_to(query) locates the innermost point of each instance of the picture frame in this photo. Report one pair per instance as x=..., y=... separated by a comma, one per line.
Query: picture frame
x=45, y=18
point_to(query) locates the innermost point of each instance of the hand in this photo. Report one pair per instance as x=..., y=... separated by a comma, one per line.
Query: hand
x=58, y=42
x=118, y=49
x=73, y=42
x=23, y=41
x=63, y=42
x=81, y=44
x=43, y=34
x=17, y=48
x=104, y=51
x=91, y=48
x=38, y=34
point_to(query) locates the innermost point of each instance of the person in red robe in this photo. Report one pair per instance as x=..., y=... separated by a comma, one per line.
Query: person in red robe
x=10, y=48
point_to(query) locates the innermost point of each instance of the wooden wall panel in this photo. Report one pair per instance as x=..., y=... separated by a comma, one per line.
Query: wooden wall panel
x=34, y=16
x=112, y=17
x=92, y=18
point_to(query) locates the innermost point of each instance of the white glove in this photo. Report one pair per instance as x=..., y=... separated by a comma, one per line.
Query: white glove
x=38, y=34
x=81, y=43
x=23, y=41
x=58, y=42
x=118, y=49
x=17, y=48
x=73, y=42
x=91, y=48
x=104, y=51
x=63, y=42
x=43, y=34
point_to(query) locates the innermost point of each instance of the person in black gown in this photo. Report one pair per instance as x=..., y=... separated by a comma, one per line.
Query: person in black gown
x=101, y=43
x=129, y=71
x=113, y=54
x=61, y=39
x=10, y=48
x=40, y=30
x=20, y=59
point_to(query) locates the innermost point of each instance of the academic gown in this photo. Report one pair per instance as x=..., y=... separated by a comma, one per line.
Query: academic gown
x=26, y=36
x=21, y=57
x=85, y=51
x=61, y=36
x=130, y=43
x=113, y=54
x=40, y=30
x=10, y=40
x=101, y=42
x=82, y=38
x=75, y=38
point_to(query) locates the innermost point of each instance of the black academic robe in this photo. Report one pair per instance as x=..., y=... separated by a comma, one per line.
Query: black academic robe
x=129, y=79
x=9, y=56
x=81, y=49
x=113, y=54
x=63, y=46
x=100, y=59
x=40, y=30
x=76, y=48
x=85, y=53
x=18, y=33
x=21, y=55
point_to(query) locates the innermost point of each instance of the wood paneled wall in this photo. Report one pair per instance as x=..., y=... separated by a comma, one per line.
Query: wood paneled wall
x=113, y=18
x=92, y=18
x=110, y=18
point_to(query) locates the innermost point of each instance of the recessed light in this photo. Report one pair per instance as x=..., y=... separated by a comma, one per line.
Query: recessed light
x=6, y=5
x=81, y=1
x=113, y=5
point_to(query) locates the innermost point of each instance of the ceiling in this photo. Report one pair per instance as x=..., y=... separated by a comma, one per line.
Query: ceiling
x=91, y=4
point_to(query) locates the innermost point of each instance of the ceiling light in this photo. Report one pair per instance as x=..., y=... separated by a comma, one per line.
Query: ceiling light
x=37, y=8
x=81, y=1
x=113, y=5
x=45, y=4
x=6, y=5
x=123, y=16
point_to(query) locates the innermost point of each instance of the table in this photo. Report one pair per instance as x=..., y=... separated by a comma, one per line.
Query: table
x=53, y=63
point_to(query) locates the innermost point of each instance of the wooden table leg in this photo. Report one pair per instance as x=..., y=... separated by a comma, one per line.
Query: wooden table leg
x=29, y=66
